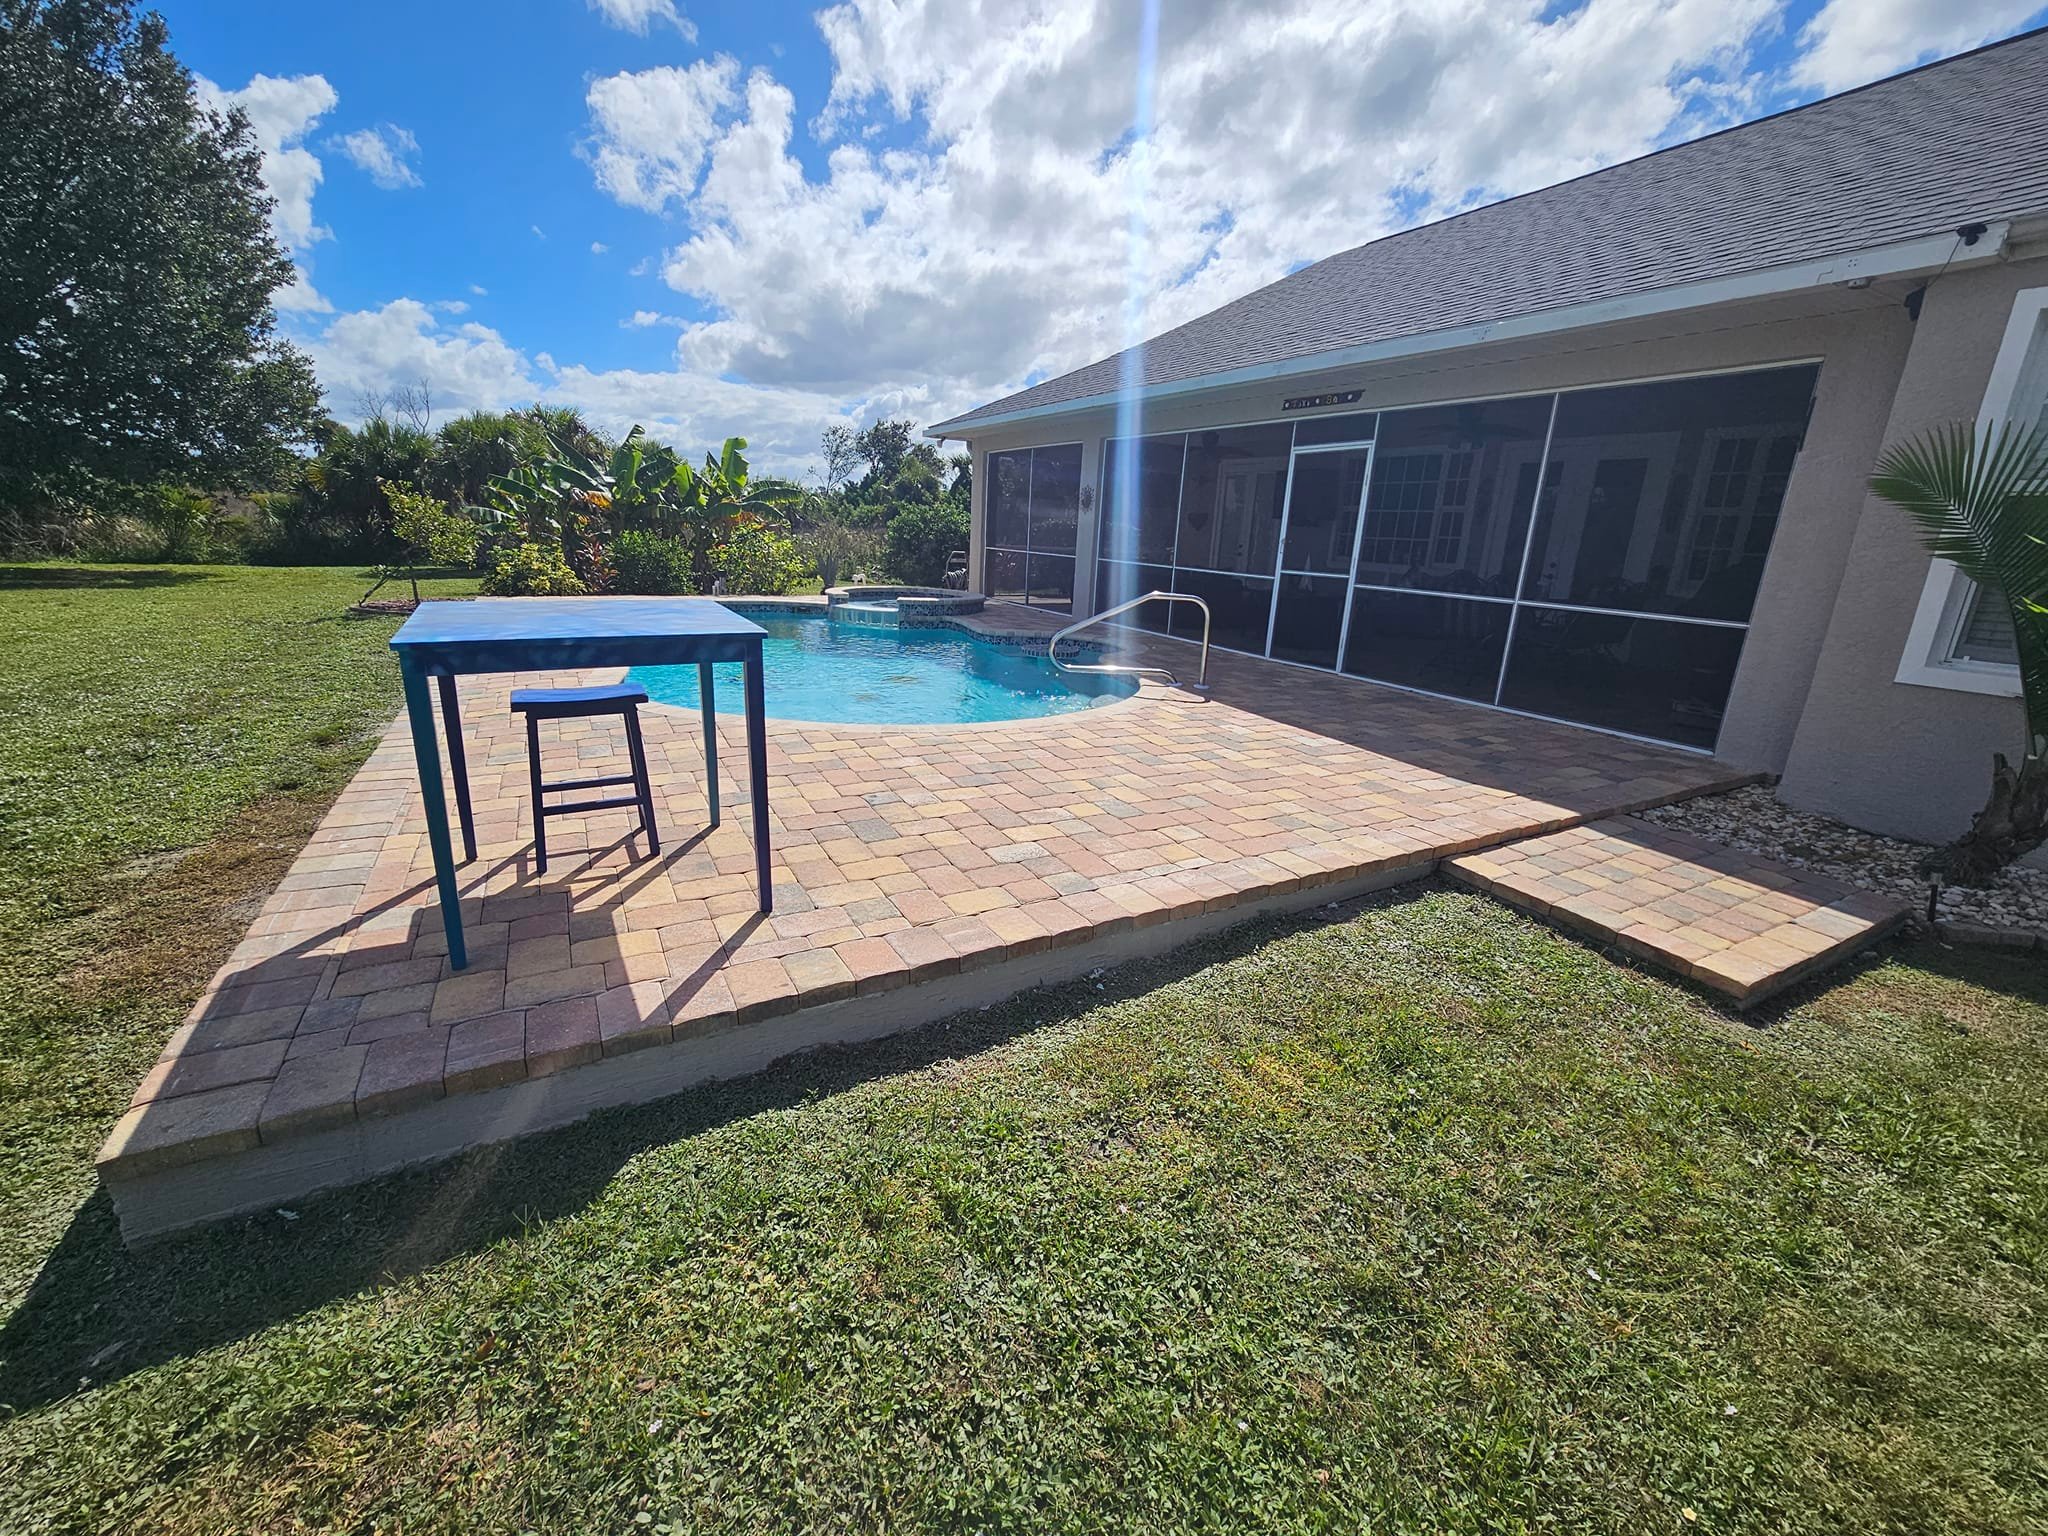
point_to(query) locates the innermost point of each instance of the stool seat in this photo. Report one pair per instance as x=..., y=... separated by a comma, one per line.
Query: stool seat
x=546, y=702
x=623, y=699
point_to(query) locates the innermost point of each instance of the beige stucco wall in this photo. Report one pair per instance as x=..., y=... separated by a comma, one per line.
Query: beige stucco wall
x=1861, y=339
x=1898, y=757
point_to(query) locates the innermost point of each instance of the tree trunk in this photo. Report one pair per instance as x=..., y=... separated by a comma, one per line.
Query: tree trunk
x=2013, y=823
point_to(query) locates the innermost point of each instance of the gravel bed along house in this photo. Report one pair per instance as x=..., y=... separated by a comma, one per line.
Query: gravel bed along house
x=1756, y=821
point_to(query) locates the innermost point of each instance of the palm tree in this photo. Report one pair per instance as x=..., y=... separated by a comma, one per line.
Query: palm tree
x=1981, y=503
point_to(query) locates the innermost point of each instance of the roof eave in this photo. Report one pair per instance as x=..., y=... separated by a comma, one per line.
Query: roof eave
x=1897, y=259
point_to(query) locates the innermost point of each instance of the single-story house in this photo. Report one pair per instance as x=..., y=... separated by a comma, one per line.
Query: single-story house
x=1600, y=453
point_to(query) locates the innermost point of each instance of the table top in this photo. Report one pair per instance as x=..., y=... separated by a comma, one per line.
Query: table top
x=540, y=620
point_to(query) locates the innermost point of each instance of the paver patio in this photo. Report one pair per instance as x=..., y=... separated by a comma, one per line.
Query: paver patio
x=903, y=856
x=1747, y=927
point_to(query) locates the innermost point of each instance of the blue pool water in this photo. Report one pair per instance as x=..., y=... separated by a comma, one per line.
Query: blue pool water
x=862, y=674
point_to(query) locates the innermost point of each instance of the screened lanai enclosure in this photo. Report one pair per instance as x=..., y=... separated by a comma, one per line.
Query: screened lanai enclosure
x=1589, y=556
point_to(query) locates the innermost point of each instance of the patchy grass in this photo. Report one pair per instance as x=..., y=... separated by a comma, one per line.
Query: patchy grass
x=1414, y=1216
x=168, y=737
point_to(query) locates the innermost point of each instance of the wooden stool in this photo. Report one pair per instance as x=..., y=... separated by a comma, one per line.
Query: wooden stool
x=623, y=699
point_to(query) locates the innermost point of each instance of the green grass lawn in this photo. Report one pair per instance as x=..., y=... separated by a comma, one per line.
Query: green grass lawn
x=1414, y=1215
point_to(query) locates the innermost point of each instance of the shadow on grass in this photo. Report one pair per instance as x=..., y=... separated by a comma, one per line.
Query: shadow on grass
x=98, y=1312
x=111, y=577
x=2017, y=974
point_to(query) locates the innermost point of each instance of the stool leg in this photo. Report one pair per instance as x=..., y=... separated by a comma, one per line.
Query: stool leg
x=641, y=787
x=540, y=815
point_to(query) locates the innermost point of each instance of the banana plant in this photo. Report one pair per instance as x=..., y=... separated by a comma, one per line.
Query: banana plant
x=1980, y=501
x=722, y=493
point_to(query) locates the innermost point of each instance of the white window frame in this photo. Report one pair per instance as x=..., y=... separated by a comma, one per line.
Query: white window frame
x=1930, y=660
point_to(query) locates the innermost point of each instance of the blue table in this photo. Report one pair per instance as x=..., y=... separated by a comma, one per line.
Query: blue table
x=444, y=640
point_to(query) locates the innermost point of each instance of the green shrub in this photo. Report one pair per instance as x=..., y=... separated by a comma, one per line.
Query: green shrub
x=115, y=537
x=919, y=540
x=528, y=570
x=651, y=564
x=754, y=557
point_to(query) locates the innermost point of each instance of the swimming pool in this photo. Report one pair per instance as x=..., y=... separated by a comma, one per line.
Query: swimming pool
x=872, y=674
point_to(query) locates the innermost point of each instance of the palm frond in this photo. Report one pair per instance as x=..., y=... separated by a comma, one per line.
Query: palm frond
x=1980, y=501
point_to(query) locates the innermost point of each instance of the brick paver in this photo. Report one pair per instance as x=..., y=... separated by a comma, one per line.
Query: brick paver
x=1741, y=924
x=901, y=854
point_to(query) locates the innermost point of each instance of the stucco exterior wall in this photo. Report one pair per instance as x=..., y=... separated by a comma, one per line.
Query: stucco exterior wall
x=1861, y=339
x=1897, y=757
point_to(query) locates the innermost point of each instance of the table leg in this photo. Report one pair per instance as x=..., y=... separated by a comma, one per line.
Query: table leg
x=708, y=690
x=419, y=711
x=458, y=765
x=757, y=772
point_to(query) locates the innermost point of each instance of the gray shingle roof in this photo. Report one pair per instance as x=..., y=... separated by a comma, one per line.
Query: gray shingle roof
x=1964, y=139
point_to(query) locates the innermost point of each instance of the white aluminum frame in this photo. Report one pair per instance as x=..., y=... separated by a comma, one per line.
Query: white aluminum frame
x=1929, y=659
x=988, y=546
x=1515, y=602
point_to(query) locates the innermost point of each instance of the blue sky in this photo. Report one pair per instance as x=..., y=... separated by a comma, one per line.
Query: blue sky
x=834, y=214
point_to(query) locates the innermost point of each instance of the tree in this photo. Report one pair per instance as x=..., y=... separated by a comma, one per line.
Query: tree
x=136, y=266
x=470, y=450
x=427, y=532
x=841, y=454
x=1981, y=502
x=883, y=447
x=724, y=491
x=920, y=539
x=831, y=540
x=349, y=473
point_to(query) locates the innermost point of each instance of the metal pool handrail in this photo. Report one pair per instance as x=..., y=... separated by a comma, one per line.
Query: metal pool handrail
x=1052, y=646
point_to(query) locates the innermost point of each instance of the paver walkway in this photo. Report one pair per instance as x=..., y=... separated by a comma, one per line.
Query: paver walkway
x=1744, y=925
x=902, y=854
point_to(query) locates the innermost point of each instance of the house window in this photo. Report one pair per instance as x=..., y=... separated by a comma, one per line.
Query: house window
x=1961, y=638
x=1985, y=634
x=1034, y=503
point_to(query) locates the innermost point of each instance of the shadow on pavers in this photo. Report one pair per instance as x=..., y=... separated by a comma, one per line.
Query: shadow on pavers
x=98, y=1312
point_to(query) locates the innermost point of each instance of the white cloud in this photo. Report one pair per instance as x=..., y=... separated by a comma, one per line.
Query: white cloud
x=1851, y=42
x=1007, y=241
x=478, y=289
x=983, y=214
x=636, y=15
x=299, y=296
x=472, y=367
x=469, y=368
x=281, y=113
x=538, y=232
x=382, y=154
x=598, y=247
x=694, y=414
x=650, y=129
x=452, y=306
